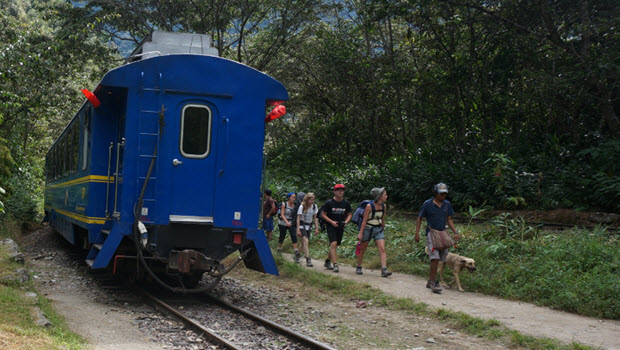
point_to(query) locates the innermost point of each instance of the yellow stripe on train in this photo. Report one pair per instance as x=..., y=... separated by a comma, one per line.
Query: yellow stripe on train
x=81, y=180
x=78, y=217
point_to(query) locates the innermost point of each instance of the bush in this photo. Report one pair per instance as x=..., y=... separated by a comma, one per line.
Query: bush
x=25, y=195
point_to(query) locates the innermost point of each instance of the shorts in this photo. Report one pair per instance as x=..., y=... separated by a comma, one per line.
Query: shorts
x=374, y=232
x=305, y=231
x=268, y=224
x=335, y=234
x=291, y=232
x=440, y=255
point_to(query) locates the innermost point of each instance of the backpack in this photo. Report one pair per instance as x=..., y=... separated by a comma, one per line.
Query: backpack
x=298, y=200
x=278, y=207
x=322, y=222
x=358, y=216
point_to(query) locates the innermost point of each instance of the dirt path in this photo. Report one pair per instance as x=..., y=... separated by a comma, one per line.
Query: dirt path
x=524, y=317
x=87, y=309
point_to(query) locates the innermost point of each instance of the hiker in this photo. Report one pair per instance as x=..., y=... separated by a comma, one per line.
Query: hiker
x=286, y=223
x=438, y=212
x=306, y=216
x=337, y=214
x=373, y=226
x=269, y=209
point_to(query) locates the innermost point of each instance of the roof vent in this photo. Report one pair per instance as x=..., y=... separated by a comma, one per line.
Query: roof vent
x=161, y=43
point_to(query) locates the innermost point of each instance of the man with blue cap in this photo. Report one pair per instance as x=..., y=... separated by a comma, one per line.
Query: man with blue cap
x=438, y=212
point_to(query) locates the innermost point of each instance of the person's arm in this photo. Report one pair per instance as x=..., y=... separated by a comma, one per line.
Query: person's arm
x=451, y=225
x=301, y=208
x=360, y=235
x=349, y=214
x=384, y=214
x=417, y=229
x=316, y=224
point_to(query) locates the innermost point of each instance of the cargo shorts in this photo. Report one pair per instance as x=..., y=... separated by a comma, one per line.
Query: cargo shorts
x=436, y=254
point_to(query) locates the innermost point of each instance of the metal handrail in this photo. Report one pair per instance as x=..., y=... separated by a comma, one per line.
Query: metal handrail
x=116, y=214
x=107, y=192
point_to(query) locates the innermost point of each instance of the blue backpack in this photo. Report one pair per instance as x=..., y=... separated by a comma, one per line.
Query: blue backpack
x=358, y=216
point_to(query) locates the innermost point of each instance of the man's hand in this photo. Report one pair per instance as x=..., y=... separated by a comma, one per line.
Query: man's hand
x=417, y=237
x=298, y=233
x=288, y=224
x=268, y=216
x=456, y=236
x=316, y=231
x=360, y=236
x=334, y=224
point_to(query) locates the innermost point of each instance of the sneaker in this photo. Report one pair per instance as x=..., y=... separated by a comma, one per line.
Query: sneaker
x=328, y=265
x=430, y=284
x=309, y=262
x=358, y=270
x=297, y=256
x=434, y=286
x=385, y=272
x=336, y=269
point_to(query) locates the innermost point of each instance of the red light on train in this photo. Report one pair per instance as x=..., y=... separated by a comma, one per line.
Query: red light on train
x=275, y=113
x=237, y=238
x=91, y=98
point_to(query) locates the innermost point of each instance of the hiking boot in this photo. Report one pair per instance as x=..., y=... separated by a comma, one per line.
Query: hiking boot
x=309, y=262
x=434, y=286
x=358, y=270
x=336, y=269
x=385, y=272
x=297, y=256
x=328, y=265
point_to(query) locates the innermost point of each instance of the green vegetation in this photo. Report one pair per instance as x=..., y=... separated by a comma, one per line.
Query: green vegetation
x=491, y=329
x=17, y=323
x=574, y=271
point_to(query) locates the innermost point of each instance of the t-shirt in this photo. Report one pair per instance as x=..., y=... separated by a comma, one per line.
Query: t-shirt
x=307, y=216
x=436, y=217
x=337, y=211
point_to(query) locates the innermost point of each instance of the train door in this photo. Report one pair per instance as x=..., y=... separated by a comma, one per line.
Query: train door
x=193, y=162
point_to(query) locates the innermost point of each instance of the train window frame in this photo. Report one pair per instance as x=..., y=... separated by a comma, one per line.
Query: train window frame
x=86, y=136
x=210, y=130
x=75, y=150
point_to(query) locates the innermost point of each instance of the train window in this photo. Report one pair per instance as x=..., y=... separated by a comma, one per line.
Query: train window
x=69, y=149
x=63, y=151
x=195, y=131
x=75, y=152
x=86, y=139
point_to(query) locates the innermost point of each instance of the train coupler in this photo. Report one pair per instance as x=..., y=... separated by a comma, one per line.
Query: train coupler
x=189, y=260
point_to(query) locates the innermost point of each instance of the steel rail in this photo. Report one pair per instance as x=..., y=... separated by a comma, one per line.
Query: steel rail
x=277, y=327
x=216, y=339
x=542, y=224
x=206, y=332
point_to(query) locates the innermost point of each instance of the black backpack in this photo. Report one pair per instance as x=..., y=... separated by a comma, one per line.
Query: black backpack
x=322, y=222
x=298, y=200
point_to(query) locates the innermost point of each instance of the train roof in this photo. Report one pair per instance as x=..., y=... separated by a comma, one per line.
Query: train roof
x=196, y=74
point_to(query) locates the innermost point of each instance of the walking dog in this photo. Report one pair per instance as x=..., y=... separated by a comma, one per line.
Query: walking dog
x=457, y=263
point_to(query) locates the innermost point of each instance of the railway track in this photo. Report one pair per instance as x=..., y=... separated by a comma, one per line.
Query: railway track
x=541, y=225
x=216, y=338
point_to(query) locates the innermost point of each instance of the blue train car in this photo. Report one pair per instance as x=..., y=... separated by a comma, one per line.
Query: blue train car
x=168, y=168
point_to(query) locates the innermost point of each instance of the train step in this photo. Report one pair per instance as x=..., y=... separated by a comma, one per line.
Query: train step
x=90, y=262
x=98, y=246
